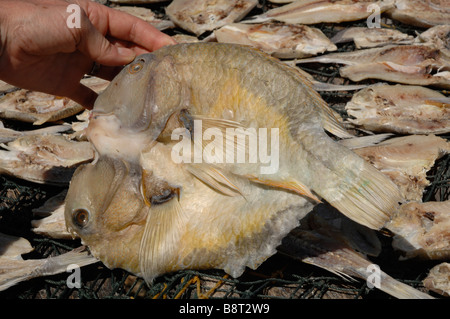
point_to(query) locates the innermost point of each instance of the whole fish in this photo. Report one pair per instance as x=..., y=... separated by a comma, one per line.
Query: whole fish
x=199, y=16
x=402, y=109
x=287, y=41
x=149, y=205
x=421, y=13
x=318, y=11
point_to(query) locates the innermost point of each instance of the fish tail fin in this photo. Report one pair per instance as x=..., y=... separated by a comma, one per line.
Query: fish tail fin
x=370, y=198
x=350, y=184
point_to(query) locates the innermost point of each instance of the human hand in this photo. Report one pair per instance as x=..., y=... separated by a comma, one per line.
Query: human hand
x=40, y=52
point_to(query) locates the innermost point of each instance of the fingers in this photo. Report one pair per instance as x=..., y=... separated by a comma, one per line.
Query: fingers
x=84, y=96
x=93, y=44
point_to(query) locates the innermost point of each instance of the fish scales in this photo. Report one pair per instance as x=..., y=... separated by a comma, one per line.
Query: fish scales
x=226, y=215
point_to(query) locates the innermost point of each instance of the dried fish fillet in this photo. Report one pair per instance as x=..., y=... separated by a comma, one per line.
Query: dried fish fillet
x=438, y=280
x=14, y=271
x=39, y=108
x=44, y=158
x=148, y=16
x=408, y=64
x=421, y=13
x=439, y=36
x=8, y=135
x=287, y=41
x=53, y=224
x=317, y=11
x=422, y=230
x=12, y=247
x=371, y=37
x=198, y=16
x=406, y=161
x=402, y=109
x=321, y=243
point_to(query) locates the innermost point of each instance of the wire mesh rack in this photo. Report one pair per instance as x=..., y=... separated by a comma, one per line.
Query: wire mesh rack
x=277, y=278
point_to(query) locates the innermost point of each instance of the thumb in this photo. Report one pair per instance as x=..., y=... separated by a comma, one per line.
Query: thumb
x=94, y=45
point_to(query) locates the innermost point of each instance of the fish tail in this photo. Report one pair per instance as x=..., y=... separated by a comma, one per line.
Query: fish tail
x=352, y=185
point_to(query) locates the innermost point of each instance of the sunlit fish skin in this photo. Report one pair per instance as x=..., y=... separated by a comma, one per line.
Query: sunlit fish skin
x=421, y=13
x=199, y=16
x=136, y=204
x=402, y=109
x=318, y=11
x=281, y=40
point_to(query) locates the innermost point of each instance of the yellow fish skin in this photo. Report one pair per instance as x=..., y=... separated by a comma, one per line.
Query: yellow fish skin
x=151, y=215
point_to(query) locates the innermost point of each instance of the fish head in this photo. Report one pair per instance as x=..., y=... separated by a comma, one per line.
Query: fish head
x=136, y=105
x=105, y=209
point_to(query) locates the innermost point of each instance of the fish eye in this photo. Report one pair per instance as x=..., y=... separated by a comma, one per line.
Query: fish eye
x=162, y=198
x=80, y=217
x=136, y=67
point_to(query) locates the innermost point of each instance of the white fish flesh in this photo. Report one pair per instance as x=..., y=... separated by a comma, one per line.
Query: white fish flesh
x=148, y=16
x=199, y=16
x=422, y=230
x=39, y=108
x=44, y=158
x=438, y=279
x=439, y=36
x=407, y=64
x=421, y=13
x=287, y=41
x=371, y=37
x=318, y=11
x=406, y=160
x=402, y=109
x=8, y=135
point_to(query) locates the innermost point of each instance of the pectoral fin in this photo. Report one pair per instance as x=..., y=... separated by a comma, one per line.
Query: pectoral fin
x=215, y=178
x=295, y=186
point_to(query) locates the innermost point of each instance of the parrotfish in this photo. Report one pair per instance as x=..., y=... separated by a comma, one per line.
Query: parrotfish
x=162, y=193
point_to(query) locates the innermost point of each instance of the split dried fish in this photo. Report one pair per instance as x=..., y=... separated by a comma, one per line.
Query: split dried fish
x=39, y=108
x=148, y=16
x=407, y=64
x=8, y=135
x=318, y=11
x=422, y=230
x=421, y=13
x=226, y=215
x=12, y=247
x=321, y=240
x=371, y=37
x=52, y=223
x=46, y=158
x=199, y=16
x=438, y=280
x=13, y=271
x=402, y=109
x=286, y=41
x=406, y=160
x=439, y=36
